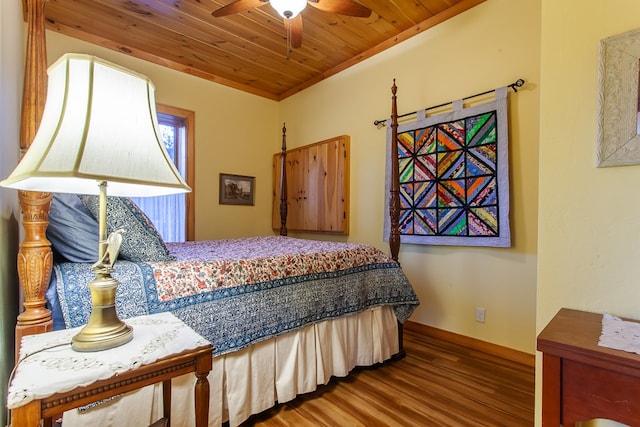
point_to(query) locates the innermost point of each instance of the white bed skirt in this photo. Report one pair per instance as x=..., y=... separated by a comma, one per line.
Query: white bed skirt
x=252, y=380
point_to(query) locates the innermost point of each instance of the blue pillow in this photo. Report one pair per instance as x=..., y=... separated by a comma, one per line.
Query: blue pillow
x=140, y=241
x=72, y=230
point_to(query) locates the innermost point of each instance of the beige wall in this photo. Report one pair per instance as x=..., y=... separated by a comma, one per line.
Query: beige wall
x=235, y=133
x=11, y=69
x=589, y=232
x=489, y=46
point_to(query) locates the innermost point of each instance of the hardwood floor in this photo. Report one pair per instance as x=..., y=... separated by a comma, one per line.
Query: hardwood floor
x=437, y=384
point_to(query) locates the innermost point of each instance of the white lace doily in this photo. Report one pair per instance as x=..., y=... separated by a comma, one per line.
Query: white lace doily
x=620, y=334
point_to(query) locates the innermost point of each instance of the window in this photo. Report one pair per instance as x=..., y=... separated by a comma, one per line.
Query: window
x=173, y=215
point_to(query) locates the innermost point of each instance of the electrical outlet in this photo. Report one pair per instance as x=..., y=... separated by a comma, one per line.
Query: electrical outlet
x=480, y=312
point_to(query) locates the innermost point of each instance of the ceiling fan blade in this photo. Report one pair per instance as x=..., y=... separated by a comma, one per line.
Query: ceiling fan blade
x=342, y=7
x=238, y=6
x=294, y=29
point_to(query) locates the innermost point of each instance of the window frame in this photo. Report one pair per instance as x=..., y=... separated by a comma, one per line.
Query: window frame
x=190, y=172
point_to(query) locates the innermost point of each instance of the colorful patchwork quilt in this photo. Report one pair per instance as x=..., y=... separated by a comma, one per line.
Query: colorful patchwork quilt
x=454, y=184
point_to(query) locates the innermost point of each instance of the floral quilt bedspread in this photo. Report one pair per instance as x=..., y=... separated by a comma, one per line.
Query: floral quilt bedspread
x=239, y=291
x=208, y=265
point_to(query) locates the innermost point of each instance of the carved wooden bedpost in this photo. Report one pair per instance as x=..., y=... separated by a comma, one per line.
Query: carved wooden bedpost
x=394, y=202
x=283, y=183
x=34, y=256
x=394, y=196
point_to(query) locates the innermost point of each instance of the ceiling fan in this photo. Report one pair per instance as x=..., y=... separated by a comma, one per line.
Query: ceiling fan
x=290, y=11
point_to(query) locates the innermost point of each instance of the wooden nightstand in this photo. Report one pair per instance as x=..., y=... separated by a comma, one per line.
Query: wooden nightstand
x=581, y=380
x=163, y=347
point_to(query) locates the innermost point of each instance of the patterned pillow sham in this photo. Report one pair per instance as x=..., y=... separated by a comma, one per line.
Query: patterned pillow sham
x=140, y=241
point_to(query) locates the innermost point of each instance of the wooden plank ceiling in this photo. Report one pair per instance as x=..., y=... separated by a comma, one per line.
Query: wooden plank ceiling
x=248, y=50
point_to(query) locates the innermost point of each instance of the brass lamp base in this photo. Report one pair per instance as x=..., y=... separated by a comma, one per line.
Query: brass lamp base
x=104, y=329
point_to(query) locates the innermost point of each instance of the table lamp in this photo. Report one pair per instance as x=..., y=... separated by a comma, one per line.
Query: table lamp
x=99, y=129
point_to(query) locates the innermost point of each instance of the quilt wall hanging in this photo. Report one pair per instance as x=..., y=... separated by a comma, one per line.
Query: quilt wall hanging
x=454, y=176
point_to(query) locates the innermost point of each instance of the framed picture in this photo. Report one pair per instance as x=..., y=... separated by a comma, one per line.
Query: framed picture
x=236, y=189
x=619, y=101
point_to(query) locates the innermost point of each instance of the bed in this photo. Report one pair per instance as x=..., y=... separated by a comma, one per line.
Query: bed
x=286, y=315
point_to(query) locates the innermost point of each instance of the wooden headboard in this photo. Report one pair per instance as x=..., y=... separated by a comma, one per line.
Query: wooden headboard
x=35, y=257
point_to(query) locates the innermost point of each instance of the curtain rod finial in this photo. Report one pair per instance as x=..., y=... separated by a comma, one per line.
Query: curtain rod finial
x=518, y=83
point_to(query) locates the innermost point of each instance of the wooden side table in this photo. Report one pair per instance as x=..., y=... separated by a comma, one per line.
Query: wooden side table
x=196, y=357
x=583, y=381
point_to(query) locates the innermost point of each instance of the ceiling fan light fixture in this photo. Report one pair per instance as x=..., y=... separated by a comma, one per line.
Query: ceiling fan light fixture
x=288, y=9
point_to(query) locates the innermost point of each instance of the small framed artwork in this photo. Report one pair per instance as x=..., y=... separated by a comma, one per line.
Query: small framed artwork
x=236, y=189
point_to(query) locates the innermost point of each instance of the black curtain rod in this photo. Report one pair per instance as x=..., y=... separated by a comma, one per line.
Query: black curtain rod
x=515, y=85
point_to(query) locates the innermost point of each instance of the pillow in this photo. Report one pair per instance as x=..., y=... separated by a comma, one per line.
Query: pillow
x=140, y=241
x=72, y=230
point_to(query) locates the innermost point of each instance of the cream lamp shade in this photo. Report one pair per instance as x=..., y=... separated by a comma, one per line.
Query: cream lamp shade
x=99, y=129
x=288, y=8
x=99, y=124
